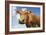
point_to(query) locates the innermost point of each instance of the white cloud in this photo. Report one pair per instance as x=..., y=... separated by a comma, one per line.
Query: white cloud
x=14, y=11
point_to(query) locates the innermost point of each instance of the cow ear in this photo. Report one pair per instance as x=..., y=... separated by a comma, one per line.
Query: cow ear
x=30, y=11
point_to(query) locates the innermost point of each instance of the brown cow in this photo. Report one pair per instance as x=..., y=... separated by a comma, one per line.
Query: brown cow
x=30, y=19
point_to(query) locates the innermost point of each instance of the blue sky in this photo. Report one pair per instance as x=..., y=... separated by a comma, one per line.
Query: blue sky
x=15, y=22
x=35, y=10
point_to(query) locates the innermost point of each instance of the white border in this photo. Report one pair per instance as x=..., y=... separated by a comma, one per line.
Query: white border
x=22, y=29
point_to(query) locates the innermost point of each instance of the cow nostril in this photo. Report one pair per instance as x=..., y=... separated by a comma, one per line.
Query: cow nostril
x=23, y=20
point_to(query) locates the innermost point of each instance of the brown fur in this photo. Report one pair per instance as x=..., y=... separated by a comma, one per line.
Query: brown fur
x=29, y=17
